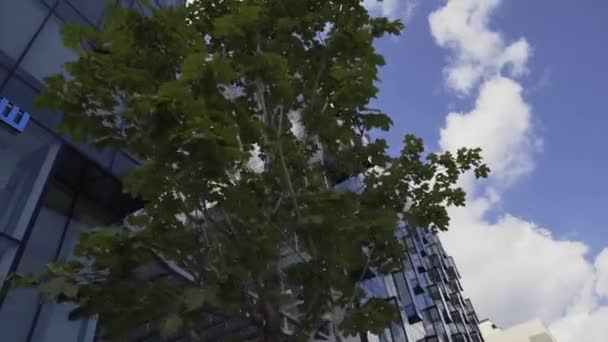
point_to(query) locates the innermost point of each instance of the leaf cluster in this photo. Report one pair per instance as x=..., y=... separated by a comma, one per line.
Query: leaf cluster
x=198, y=92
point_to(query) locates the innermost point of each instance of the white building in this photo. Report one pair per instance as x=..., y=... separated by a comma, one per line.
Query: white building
x=531, y=331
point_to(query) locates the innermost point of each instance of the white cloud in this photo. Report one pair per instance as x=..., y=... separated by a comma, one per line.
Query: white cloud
x=500, y=124
x=601, y=265
x=384, y=8
x=409, y=9
x=402, y=9
x=513, y=269
x=255, y=162
x=478, y=52
x=585, y=326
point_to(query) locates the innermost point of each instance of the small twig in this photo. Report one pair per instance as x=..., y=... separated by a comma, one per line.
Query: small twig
x=363, y=273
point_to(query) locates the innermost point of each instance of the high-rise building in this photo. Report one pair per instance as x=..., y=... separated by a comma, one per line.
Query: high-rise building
x=428, y=293
x=53, y=189
x=531, y=331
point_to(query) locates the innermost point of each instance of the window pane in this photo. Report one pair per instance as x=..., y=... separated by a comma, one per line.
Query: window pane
x=46, y=56
x=45, y=238
x=390, y=286
x=41, y=248
x=402, y=288
x=3, y=74
x=386, y=337
x=125, y=3
x=102, y=156
x=23, y=94
x=19, y=20
x=53, y=323
x=91, y=9
x=166, y=3
x=26, y=161
x=8, y=248
x=123, y=163
x=374, y=287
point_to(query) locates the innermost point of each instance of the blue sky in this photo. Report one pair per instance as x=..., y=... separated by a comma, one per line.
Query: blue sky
x=566, y=88
x=532, y=242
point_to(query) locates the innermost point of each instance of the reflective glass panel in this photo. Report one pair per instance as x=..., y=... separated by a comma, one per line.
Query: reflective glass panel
x=47, y=54
x=19, y=20
x=53, y=322
x=40, y=249
x=92, y=10
x=25, y=163
x=8, y=248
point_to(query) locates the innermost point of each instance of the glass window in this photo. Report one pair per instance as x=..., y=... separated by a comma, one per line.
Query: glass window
x=26, y=162
x=41, y=248
x=47, y=55
x=54, y=235
x=77, y=200
x=3, y=74
x=398, y=333
x=126, y=3
x=389, y=283
x=66, y=12
x=102, y=156
x=123, y=163
x=402, y=288
x=8, y=248
x=23, y=94
x=53, y=322
x=386, y=336
x=19, y=21
x=166, y=3
x=374, y=287
x=45, y=238
x=92, y=10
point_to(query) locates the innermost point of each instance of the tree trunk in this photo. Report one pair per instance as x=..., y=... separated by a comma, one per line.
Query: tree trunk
x=270, y=327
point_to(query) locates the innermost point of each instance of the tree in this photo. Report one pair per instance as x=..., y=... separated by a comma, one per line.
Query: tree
x=246, y=112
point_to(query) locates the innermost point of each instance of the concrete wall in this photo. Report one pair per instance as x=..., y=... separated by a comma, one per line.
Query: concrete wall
x=531, y=331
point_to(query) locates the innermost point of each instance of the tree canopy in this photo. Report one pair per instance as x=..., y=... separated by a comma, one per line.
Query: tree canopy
x=246, y=114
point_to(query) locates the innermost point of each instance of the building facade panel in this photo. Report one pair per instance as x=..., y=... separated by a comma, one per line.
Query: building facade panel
x=428, y=293
x=51, y=189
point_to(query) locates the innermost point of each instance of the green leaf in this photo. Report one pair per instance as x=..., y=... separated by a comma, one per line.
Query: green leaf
x=193, y=66
x=57, y=287
x=24, y=281
x=194, y=299
x=171, y=325
x=380, y=121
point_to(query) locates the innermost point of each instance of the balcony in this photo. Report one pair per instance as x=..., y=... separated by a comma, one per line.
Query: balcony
x=435, y=275
x=451, y=268
x=468, y=306
x=472, y=318
x=413, y=316
x=476, y=336
x=432, y=315
x=434, y=292
x=433, y=338
x=459, y=337
x=434, y=260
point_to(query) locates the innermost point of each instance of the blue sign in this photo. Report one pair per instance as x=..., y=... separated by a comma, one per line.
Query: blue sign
x=14, y=118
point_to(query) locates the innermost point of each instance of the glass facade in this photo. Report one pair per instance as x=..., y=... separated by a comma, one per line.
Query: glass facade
x=78, y=196
x=427, y=292
x=51, y=189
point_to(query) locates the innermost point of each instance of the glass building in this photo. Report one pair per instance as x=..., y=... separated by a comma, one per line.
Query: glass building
x=428, y=294
x=53, y=189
